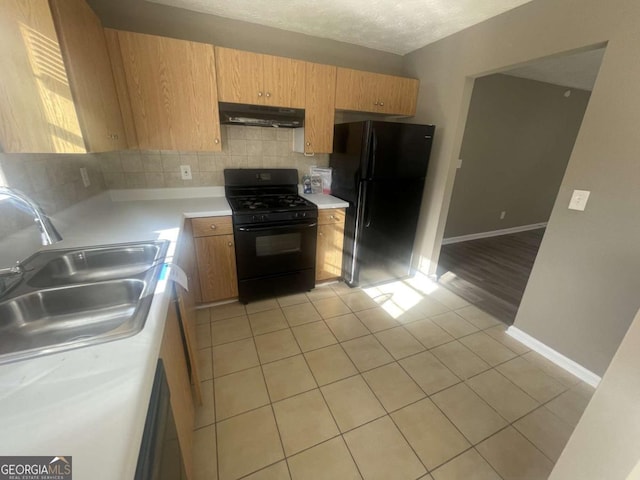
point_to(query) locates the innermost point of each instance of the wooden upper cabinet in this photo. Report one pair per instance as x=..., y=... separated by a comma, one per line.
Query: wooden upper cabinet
x=373, y=92
x=172, y=91
x=256, y=79
x=401, y=95
x=89, y=69
x=320, y=108
x=284, y=81
x=37, y=114
x=355, y=90
x=239, y=76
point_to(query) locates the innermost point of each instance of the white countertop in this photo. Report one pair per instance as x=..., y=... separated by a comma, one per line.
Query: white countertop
x=325, y=201
x=91, y=403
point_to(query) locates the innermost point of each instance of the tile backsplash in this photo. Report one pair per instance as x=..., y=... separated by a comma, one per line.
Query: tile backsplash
x=242, y=147
x=52, y=181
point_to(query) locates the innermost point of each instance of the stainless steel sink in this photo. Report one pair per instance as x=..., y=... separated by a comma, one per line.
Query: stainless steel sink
x=79, y=297
x=97, y=264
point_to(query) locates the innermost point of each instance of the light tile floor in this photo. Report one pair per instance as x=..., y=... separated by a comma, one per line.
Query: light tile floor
x=396, y=382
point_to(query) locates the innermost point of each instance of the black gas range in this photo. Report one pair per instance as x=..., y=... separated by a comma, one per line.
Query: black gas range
x=275, y=232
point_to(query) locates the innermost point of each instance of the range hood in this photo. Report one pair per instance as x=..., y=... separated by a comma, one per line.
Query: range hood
x=260, y=115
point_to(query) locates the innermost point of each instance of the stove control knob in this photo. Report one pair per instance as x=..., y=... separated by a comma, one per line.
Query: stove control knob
x=263, y=217
x=304, y=214
x=255, y=218
x=296, y=215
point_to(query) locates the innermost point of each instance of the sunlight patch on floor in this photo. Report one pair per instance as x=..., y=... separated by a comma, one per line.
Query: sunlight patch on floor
x=400, y=296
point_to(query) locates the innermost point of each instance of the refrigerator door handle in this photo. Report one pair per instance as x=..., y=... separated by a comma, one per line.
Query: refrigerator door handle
x=368, y=209
x=360, y=208
x=374, y=147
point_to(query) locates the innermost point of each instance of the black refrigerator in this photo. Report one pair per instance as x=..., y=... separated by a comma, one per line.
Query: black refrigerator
x=380, y=169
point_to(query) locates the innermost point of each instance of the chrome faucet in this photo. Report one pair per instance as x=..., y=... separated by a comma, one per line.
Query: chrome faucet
x=49, y=234
x=10, y=277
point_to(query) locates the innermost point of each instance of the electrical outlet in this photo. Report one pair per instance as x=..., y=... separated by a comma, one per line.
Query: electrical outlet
x=185, y=172
x=459, y=163
x=85, y=177
x=503, y=214
x=579, y=199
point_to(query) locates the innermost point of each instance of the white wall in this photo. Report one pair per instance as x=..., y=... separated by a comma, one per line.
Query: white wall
x=606, y=442
x=583, y=290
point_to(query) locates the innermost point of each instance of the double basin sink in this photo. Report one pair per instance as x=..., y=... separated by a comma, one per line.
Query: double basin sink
x=79, y=297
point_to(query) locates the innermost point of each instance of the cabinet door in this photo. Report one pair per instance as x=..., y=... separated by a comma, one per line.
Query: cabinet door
x=356, y=90
x=85, y=54
x=239, y=76
x=186, y=259
x=217, y=267
x=330, y=243
x=397, y=95
x=284, y=82
x=173, y=92
x=175, y=365
x=320, y=108
x=329, y=251
x=120, y=79
x=37, y=114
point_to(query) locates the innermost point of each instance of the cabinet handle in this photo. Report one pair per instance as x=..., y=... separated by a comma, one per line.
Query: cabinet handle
x=376, y=102
x=321, y=234
x=230, y=244
x=268, y=94
x=216, y=141
x=259, y=94
x=213, y=227
x=332, y=217
x=308, y=144
x=382, y=104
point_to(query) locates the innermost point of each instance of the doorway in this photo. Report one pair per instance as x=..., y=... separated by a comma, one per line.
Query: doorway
x=521, y=126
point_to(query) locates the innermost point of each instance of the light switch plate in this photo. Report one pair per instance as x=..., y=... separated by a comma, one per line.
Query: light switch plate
x=579, y=199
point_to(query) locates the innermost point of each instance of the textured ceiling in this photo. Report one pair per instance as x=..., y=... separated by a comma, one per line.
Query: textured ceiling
x=396, y=26
x=577, y=71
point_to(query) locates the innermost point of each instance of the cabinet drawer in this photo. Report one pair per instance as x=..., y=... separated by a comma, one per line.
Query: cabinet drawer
x=207, y=226
x=330, y=216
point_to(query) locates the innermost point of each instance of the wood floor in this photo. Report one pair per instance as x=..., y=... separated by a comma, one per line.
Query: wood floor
x=491, y=273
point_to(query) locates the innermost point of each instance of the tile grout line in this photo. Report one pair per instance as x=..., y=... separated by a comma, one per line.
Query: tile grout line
x=266, y=387
x=388, y=414
x=360, y=373
x=324, y=399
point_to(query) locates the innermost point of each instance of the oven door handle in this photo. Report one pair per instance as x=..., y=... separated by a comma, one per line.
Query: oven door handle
x=280, y=227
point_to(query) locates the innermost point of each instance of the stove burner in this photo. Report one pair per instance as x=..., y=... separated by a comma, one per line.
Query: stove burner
x=266, y=203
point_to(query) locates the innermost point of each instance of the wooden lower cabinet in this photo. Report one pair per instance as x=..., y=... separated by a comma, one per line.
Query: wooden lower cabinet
x=174, y=359
x=216, y=258
x=329, y=244
x=185, y=258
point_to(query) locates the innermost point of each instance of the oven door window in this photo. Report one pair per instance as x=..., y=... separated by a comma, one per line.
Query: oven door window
x=269, y=245
x=264, y=251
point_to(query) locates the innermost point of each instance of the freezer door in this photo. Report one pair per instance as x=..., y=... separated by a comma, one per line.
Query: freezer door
x=398, y=150
x=386, y=232
x=350, y=148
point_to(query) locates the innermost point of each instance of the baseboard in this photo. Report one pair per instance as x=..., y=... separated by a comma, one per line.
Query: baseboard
x=493, y=233
x=549, y=353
